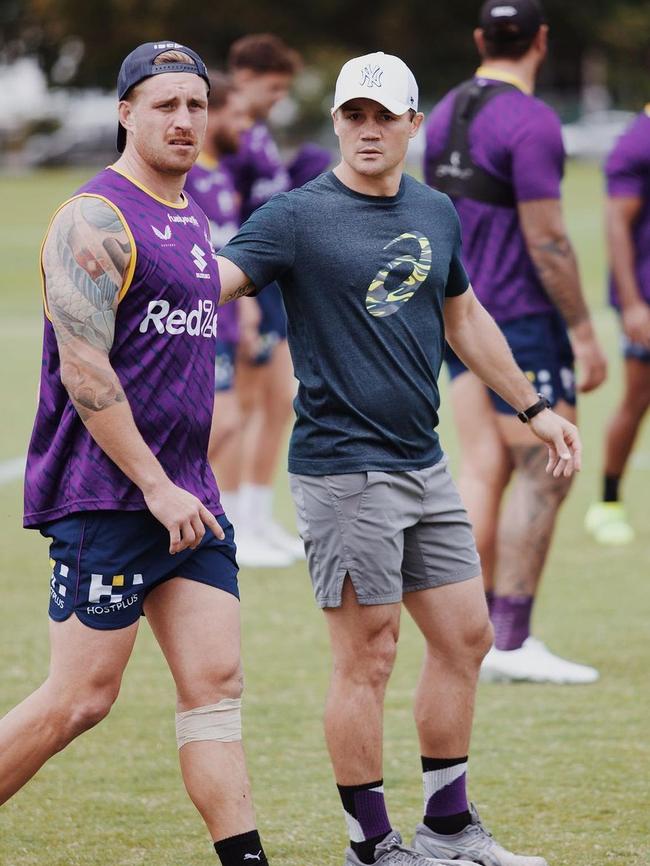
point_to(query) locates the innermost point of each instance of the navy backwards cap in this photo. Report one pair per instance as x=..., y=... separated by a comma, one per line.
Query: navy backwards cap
x=139, y=64
x=510, y=20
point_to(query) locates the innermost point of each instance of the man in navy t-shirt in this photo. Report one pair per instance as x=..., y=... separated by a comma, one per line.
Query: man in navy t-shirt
x=369, y=264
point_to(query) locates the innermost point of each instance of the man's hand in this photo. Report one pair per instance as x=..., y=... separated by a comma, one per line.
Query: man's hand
x=590, y=358
x=182, y=514
x=563, y=441
x=636, y=323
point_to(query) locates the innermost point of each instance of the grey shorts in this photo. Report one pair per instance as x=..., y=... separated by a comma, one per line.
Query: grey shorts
x=392, y=532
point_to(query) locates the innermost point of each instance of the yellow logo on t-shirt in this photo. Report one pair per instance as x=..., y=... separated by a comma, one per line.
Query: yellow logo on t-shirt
x=381, y=302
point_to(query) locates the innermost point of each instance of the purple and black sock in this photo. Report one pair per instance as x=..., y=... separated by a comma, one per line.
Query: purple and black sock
x=365, y=814
x=246, y=847
x=610, y=488
x=510, y=615
x=446, y=809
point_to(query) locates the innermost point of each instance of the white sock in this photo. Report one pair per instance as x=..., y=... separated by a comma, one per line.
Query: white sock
x=255, y=504
x=230, y=504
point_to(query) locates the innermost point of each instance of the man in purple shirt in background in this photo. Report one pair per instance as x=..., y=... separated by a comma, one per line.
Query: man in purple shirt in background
x=117, y=471
x=628, y=240
x=211, y=185
x=263, y=68
x=497, y=151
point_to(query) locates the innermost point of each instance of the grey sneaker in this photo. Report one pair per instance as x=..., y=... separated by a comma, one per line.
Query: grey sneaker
x=474, y=843
x=391, y=852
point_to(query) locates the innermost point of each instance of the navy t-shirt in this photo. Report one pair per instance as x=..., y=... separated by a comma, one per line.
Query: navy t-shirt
x=364, y=279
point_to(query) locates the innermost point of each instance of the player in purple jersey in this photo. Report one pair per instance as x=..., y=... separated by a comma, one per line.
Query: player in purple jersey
x=117, y=472
x=211, y=185
x=628, y=240
x=263, y=68
x=497, y=151
x=369, y=263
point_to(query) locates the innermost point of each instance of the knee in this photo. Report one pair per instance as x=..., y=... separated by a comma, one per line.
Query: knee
x=82, y=712
x=211, y=685
x=370, y=664
x=474, y=639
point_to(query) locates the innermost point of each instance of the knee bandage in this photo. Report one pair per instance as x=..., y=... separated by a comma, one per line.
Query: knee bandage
x=220, y=722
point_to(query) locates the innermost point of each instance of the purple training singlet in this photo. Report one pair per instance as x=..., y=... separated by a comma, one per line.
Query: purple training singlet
x=163, y=354
x=213, y=189
x=628, y=176
x=517, y=139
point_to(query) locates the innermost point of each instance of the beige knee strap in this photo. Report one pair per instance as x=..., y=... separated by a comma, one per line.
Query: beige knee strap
x=220, y=722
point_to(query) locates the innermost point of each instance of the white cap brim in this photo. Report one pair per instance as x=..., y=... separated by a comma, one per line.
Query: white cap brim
x=393, y=105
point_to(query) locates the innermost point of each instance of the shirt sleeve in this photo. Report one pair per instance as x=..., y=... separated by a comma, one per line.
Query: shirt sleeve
x=628, y=164
x=264, y=247
x=457, y=279
x=538, y=155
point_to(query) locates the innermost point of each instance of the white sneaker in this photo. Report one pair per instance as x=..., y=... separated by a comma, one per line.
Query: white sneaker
x=254, y=551
x=534, y=662
x=278, y=537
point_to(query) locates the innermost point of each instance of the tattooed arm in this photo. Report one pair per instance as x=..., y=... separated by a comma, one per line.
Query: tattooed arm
x=86, y=259
x=552, y=254
x=234, y=282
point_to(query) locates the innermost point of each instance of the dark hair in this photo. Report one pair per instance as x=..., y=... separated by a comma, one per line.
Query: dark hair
x=221, y=86
x=513, y=50
x=263, y=52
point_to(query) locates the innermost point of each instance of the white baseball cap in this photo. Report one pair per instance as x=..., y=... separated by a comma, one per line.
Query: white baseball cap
x=382, y=77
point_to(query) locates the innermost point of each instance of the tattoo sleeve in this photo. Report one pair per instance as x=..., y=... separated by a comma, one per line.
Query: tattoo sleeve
x=557, y=268
x=554, y=259
x=85, y=261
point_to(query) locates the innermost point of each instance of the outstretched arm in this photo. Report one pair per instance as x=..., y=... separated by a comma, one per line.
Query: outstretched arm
x=86, y=258
x=234, y=282
x=475, y=337
x=552, y=254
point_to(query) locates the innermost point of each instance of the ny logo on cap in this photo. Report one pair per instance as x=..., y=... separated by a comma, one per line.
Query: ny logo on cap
x=503, y=12
x=371, y=77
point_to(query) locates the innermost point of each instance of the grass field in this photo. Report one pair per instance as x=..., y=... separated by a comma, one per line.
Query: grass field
x=558, y=771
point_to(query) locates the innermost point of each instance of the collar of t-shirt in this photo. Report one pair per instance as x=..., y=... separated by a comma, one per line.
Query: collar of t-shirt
x=374, y=199
x=492, y=74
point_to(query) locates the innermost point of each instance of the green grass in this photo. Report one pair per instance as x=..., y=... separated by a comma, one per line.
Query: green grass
x=556, y=770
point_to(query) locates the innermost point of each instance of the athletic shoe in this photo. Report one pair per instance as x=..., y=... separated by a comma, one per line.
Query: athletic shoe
x=607, y=523
x=391, y=852
x=474, y=843
x=277, y=536
x=254, y=551
x=534, y=662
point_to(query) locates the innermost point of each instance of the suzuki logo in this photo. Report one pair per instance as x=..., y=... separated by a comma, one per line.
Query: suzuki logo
x=198, y=257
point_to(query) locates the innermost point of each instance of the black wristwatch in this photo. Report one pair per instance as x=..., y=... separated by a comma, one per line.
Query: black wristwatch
x=533, y=410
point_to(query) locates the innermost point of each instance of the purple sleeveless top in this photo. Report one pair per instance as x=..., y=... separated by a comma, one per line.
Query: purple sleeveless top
x=163, y=354
x=213, y=188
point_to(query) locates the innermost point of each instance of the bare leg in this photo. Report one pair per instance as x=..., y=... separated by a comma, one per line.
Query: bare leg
x=364, y=643
x=197, y=627
x=528, y=518
x=626, y=420
x=485, y=465
x=224, y=449
x=276, y=405
x=455, y=624
x=86, y=667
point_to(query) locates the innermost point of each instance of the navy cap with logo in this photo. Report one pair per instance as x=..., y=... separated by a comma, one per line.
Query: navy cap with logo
x=139, y=64
x=510, y=20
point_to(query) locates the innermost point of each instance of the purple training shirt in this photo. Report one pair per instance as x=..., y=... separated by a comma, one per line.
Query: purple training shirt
x=212, y=187
x=518, y=139
x=163, y=354
x=257, y=169
x=627, y=171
